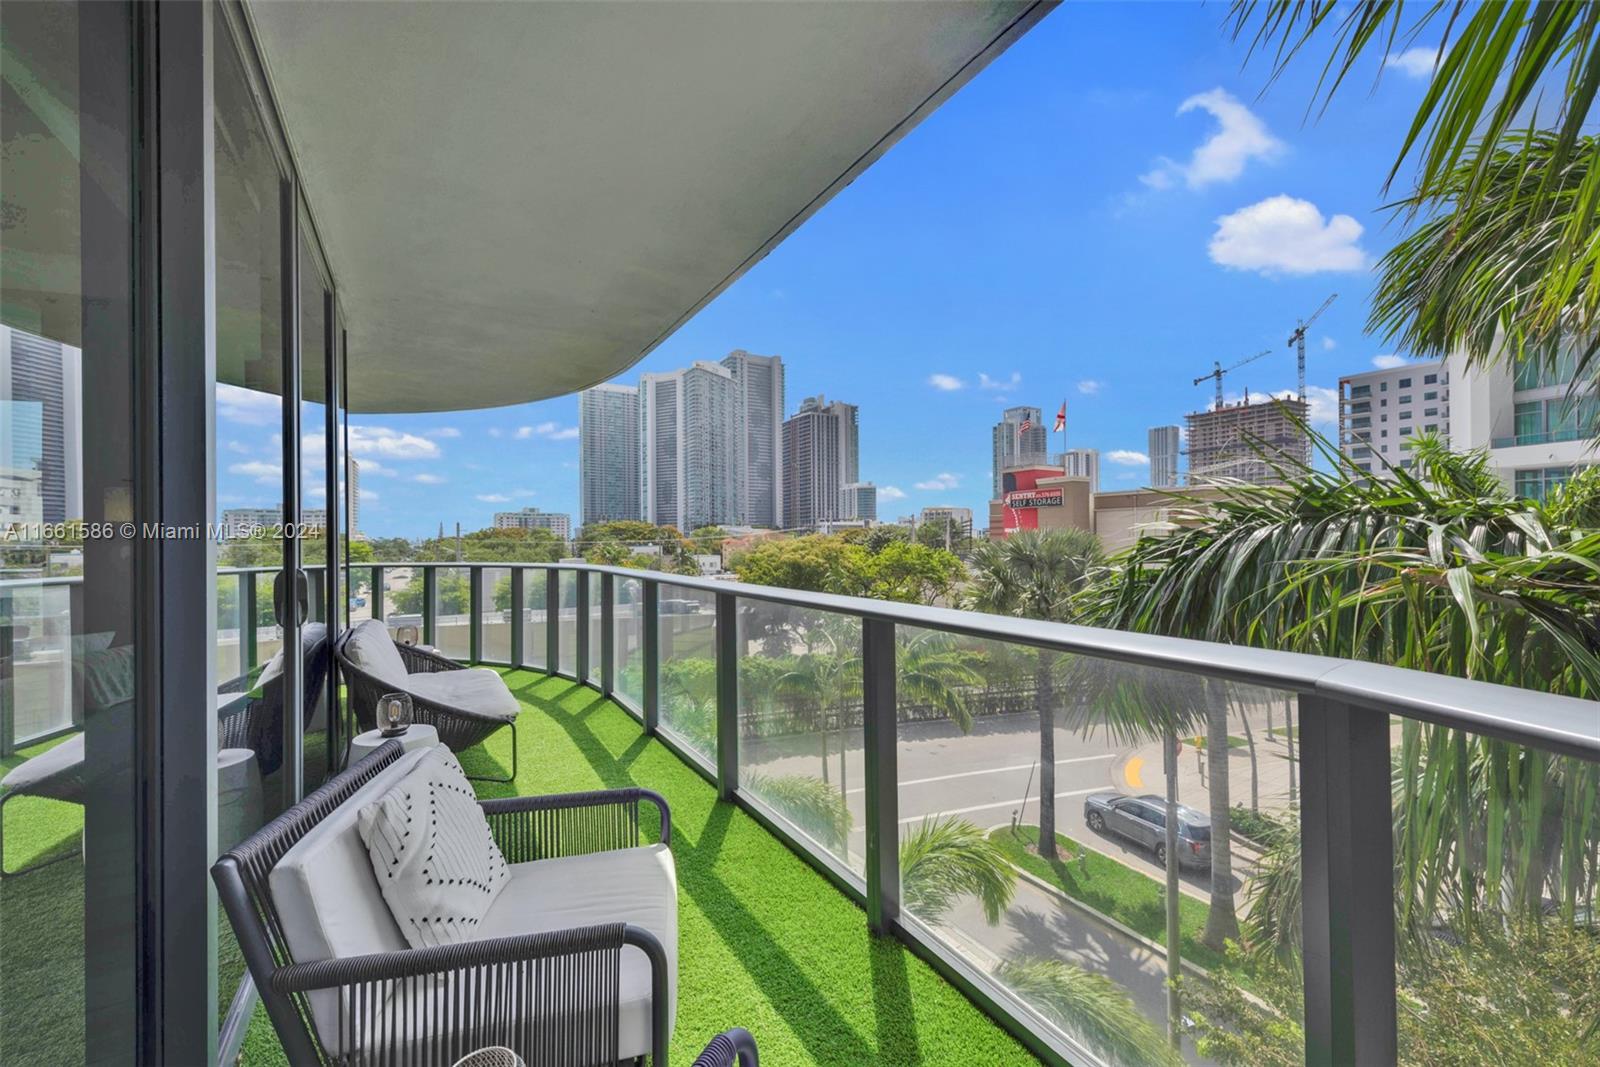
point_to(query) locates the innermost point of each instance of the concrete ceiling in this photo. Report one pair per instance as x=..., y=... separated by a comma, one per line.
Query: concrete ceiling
x=519, y=200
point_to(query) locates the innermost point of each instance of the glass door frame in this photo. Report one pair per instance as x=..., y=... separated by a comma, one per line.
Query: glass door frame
x=301, y=248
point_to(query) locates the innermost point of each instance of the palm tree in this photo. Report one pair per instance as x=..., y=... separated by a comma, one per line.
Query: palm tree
x=1442, y=573
x=1092, y=1008
x=810, y=803
x=1034, y=575
x=1518, y=238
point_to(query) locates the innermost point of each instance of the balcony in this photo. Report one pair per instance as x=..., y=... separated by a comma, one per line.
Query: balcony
x=810, y=747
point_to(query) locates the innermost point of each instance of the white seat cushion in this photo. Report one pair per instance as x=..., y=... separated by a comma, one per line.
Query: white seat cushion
x=630, y=885
x=370, y=647
x=476, y=689
x=328, y=900
x=432, y=853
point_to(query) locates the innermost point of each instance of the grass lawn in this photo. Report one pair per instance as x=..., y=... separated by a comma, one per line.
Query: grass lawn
x=1199, y=741
x=1131, y=897
x=764, y=941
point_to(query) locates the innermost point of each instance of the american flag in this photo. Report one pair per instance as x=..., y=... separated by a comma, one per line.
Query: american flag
x=1025, y=424
x=1061, y=418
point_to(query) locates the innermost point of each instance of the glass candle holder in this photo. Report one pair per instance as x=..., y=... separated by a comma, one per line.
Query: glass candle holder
x=394, y=714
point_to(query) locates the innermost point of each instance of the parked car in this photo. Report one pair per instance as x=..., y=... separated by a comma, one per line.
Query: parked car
x=1143, y=820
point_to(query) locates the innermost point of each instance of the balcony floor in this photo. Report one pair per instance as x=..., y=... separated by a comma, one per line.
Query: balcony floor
x=765, y=942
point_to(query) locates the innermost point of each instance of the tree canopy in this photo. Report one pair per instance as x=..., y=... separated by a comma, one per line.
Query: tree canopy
x=832, y=563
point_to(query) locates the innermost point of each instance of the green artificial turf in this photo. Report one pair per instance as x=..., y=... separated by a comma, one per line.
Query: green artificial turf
x=1131, y=897
x=764, y=942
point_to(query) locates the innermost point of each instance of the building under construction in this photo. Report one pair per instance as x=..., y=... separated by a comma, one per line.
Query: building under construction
x=1242, y=442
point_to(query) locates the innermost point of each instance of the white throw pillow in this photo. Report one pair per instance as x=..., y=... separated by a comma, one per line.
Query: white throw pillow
x=433, y=853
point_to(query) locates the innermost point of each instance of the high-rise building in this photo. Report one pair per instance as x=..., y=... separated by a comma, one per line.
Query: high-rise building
x=1381, y=411
x=40, y=397
x=821, y=455
x=1082, y=463
x=1536, y=429
x=859, y=500
x=1165, y=445
x=1015, y=446
x=533, y=519
x=1242, y=442
x=608, y=454
x=688, y=431
x=759, y=450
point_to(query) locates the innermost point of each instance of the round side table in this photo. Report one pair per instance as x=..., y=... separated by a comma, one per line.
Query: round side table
x=417, y=735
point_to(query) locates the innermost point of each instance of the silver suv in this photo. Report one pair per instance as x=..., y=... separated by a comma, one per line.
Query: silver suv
x=1143, y=820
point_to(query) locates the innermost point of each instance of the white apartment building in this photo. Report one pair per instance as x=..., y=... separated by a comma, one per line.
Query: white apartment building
x=1536, y=431
x=688, y=430
x=556, y=522
x=859, y=501
x=759, y=382
x=608, y=454
x=1165, y=445
x=1381, y=411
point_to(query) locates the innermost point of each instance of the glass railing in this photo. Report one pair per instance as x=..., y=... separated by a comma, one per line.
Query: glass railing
x=1543, y=437
x=1034, y=807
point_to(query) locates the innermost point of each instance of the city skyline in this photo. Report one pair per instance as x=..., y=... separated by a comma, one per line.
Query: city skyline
x=1186, y=216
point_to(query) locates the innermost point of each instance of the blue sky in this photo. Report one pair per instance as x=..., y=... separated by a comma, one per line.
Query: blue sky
x=1109, y=207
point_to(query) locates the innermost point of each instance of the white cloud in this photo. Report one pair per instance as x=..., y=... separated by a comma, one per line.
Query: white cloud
x=1125, y=457
x=370, y=466
x=494, y=498
x=368, y=495
x=318, y=492
x=1322, y=402
x=948, y=383
x=264, y=473
x=557, y=433
x=428, y=479
x=248, y=407
x=1329, y=344
x=390, y=444
x=1089, y=387
x=523, y=433
x=1413, y=62
x=1388, y=362
x=235, y=446
x=494, y=431
x=1001, y=384
x=891, y=492
x=1282, y=235
x=443, y=431
x=941, y=481
x=1240, y=137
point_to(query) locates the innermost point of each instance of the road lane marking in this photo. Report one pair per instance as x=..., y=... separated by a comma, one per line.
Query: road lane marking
x=998, y=804
x=1131, y=773
x=992, y=770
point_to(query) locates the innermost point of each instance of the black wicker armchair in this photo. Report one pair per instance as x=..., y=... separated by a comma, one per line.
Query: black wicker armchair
x=256, y=721
x=550, y=997
x=459, y=728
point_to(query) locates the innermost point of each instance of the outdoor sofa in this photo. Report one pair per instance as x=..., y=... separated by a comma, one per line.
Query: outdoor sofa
x=465, y=704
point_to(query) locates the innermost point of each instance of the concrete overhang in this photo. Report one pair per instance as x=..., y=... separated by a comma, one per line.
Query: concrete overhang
x=519, y=200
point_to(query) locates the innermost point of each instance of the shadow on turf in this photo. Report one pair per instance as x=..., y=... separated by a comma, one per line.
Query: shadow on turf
x=827, y=1035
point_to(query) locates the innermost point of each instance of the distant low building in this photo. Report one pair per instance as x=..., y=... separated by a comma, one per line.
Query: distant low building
x=533, y=519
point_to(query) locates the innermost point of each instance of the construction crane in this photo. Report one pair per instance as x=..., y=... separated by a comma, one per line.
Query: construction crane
x=1219, y=370
x=1297, y=341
